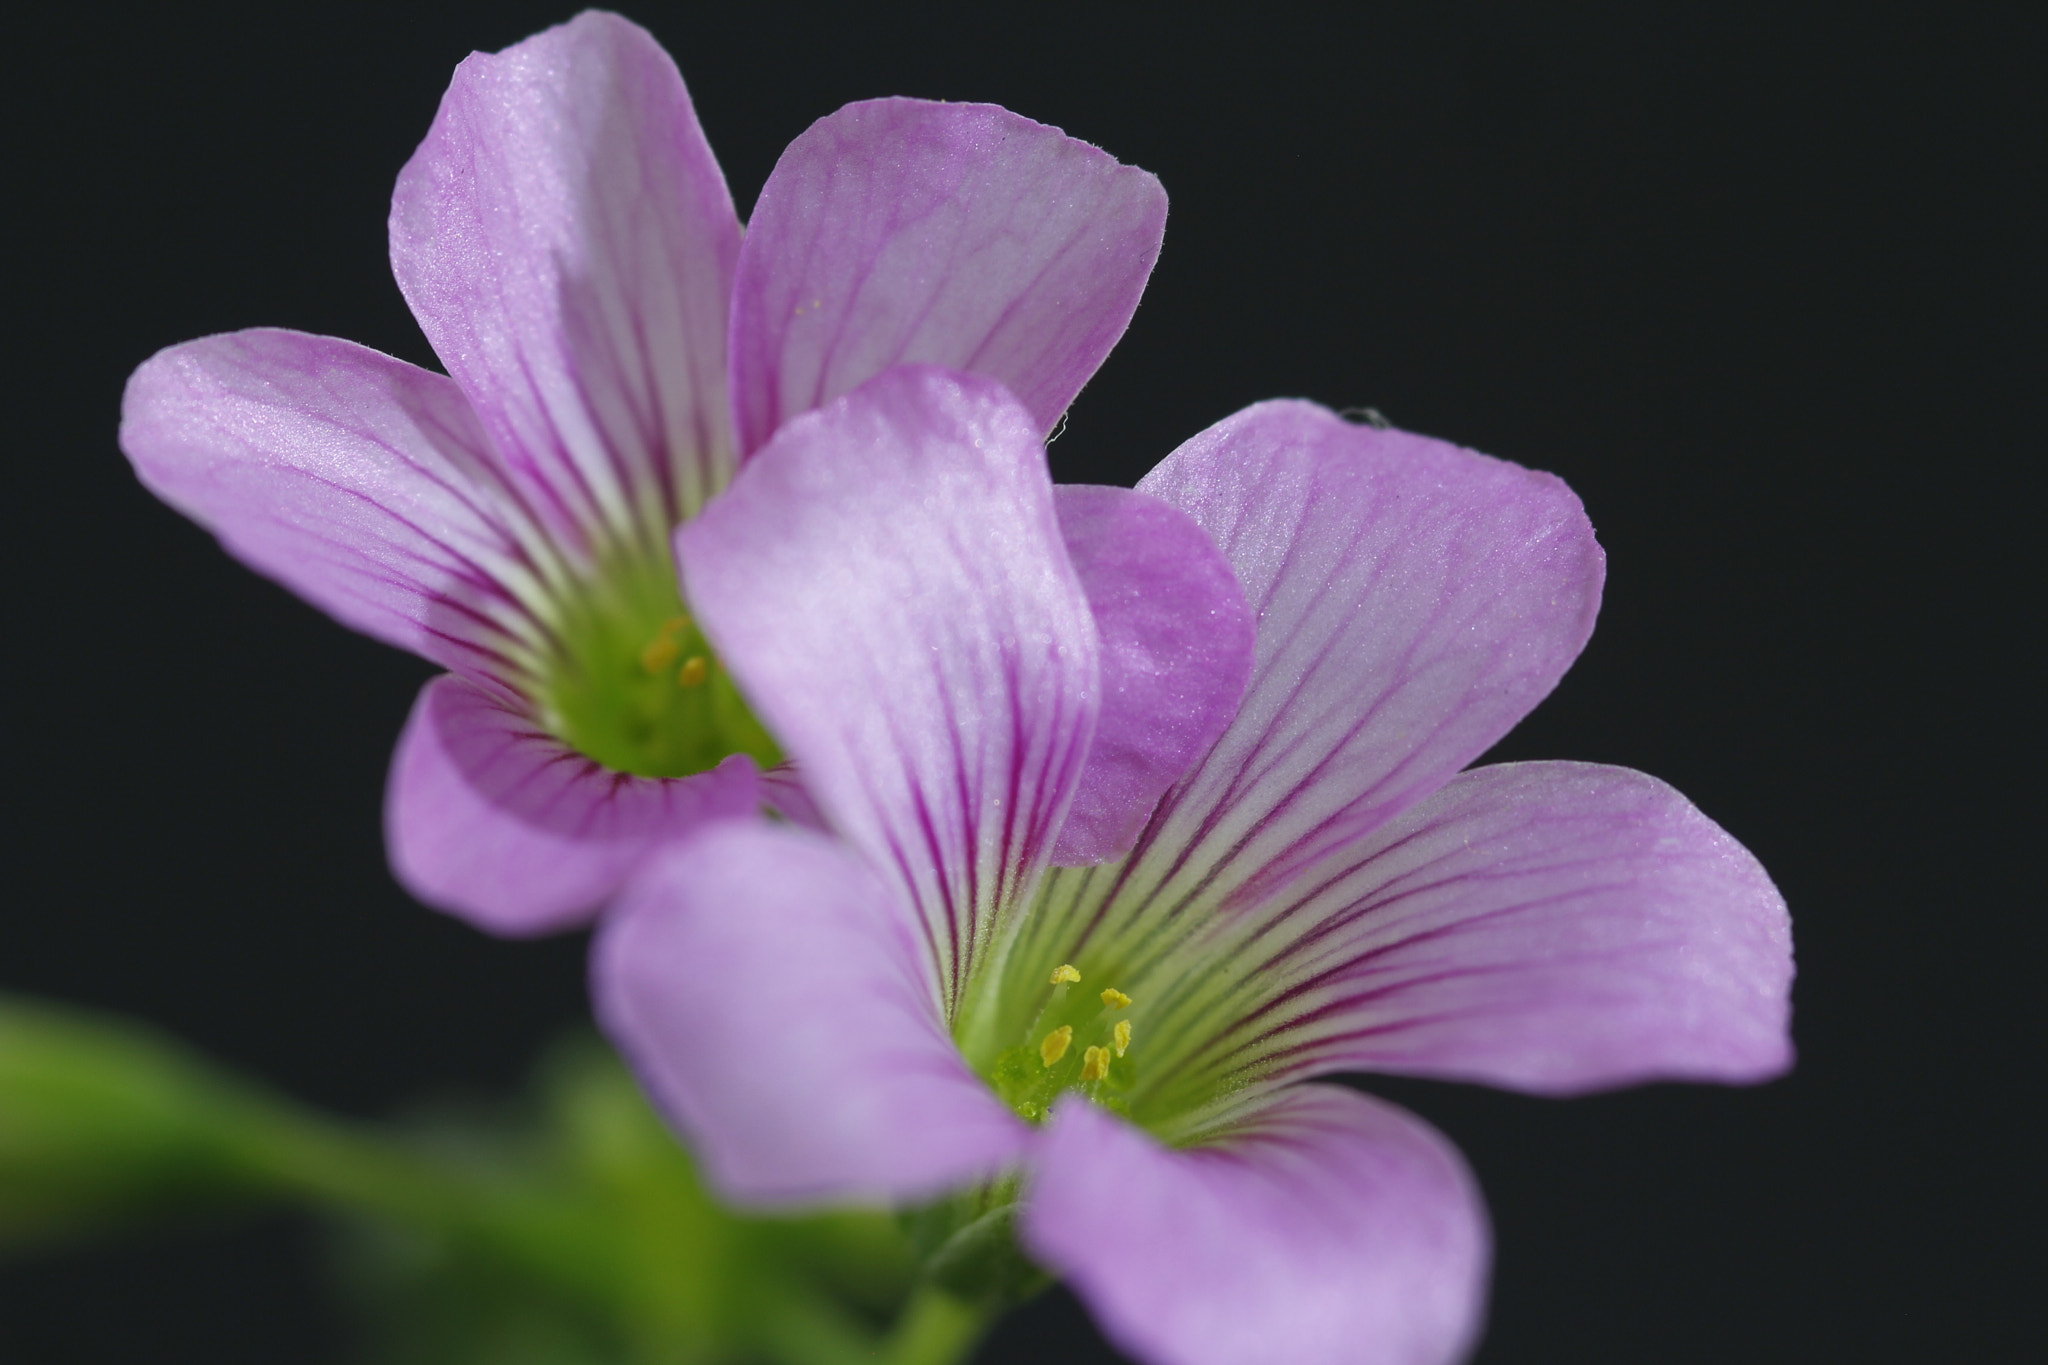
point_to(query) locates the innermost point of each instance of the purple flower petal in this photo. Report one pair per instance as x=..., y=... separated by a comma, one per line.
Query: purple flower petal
x=1414, y=599
x=568, y=243
x=1325, y=1227
x=1550, y=927
x=901, y=231
x=492, y=819
x=774, y=997
x=356, y=480
x=784, y=793
x=1176, y=650
x=887, y=582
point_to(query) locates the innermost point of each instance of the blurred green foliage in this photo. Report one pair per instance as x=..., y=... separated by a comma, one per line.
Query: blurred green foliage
x=567, y=1228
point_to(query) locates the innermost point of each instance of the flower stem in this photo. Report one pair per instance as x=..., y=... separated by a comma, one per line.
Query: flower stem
x=935, y=1328
x=332, y=1165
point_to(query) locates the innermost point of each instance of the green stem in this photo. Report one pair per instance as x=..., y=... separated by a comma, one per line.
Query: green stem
x=357, y=1173
x=805, y=1330
x=935, y=1328
x=334, y=1166
x=353, y=1170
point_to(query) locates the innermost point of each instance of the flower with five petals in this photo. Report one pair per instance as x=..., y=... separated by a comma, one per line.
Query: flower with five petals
x=1123, y=1058
x=615, y=352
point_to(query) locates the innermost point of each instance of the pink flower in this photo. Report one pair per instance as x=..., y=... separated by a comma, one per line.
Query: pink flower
x=615, y=351
x=1123, y=1058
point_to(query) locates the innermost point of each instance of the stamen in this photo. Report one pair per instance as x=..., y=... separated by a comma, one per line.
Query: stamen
x=1115, y=998
x=1064, y=973
x=694, y=670
x=1121, y=1036
x=1094, y=1064
x=1055, y=1045
x=664, y=648
x=661, y=651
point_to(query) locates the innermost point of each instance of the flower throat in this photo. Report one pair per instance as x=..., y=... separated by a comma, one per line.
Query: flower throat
x=1077, y=1042
x=634, y=684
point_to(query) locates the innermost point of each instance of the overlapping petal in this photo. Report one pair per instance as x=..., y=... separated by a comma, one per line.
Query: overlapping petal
x=776, y=999
x=1414, y=601
x=566, y=239
x=902, y=231
x=1176, y=651
x=493, y=819
x=1323, y=1227
x=356, y=480
x=1551, y=927
x=887, y=581
x=783, y=792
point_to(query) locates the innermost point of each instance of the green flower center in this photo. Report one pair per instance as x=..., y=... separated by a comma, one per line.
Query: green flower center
x=1080, y=1040
x=1158, y=1009
x=633, y=683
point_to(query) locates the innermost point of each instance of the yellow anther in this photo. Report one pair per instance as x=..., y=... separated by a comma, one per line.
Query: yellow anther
x=1115, y=998
x=1064, y=973
x=1095, y=1064
x=694, y=670
x=660, y=652
x=1055, y=1045
x=1121, y=1036
x=675, y=625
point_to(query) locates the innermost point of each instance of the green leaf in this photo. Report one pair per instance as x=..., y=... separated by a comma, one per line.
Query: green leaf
x=102, y=1121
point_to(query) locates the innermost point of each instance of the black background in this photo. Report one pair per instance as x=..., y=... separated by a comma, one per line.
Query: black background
x=1763, y=288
